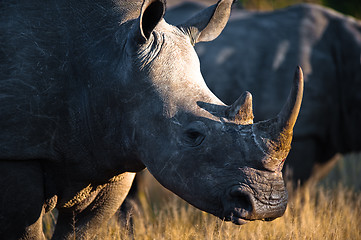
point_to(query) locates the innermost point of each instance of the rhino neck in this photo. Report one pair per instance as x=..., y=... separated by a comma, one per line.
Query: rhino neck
x=95, y=93
x=125, y=9
x=129, y=9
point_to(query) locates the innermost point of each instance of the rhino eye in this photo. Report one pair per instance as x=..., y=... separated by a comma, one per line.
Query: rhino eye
x=194, y=138
x=195, y=134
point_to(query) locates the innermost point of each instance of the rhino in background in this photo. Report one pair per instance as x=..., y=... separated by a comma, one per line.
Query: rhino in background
x=255, y=53
x=92, y=92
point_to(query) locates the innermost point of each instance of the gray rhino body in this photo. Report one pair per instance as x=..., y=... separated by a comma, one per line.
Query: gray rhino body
x=255, y=52
x=92, y=92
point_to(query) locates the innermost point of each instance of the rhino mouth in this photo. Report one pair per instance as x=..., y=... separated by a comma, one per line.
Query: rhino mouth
x=235, y=217
x=239, y=207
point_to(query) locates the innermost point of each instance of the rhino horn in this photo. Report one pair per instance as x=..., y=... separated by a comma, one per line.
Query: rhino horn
x=275, y=135
x=241, y=111
x=289, y=113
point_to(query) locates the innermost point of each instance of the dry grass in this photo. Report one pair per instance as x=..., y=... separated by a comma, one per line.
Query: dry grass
x=331, y=210
x=273, y=4
x=319, y=214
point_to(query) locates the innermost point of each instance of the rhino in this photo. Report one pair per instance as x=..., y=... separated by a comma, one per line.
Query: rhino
x=255, y=52
x=94, y=91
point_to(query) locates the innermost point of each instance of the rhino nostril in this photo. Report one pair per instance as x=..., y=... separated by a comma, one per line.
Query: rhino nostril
x=243, y=200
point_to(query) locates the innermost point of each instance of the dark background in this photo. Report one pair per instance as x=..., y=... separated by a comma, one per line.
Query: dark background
x=348, y=7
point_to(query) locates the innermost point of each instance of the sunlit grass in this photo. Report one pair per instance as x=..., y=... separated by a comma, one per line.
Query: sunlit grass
x=318, y=214
x=330, y=210
x=273, y=4
x=349, y=7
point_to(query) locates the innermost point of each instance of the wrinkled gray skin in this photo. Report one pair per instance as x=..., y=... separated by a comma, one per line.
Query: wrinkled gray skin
x=92, y=92
x=256, y=52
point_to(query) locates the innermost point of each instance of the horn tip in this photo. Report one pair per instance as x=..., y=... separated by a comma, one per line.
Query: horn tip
x=241, y=110
x=298, y=78
x=299, y=73
x=247, y=96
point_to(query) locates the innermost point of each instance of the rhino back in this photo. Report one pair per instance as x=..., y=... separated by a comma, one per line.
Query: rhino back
x=33, y=76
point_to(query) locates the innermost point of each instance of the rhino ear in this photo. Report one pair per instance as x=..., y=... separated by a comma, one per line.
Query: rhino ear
x=151, y=14
x=209, y=23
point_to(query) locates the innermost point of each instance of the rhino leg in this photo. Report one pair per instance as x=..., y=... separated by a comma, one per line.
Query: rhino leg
x=309, y=161
x=21, y=200
x=322, y=169
x=299, y=162
x=85, y=224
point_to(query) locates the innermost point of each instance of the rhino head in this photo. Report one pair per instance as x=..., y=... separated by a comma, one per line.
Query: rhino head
x=210, y=154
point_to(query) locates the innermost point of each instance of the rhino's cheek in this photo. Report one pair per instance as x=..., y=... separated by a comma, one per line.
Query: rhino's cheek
x=193, y=184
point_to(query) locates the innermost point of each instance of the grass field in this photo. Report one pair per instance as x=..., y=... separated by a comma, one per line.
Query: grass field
x=321, y=214
x=331, y=210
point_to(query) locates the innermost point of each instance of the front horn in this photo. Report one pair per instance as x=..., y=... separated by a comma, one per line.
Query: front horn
x=274, y=136
x=289, y=113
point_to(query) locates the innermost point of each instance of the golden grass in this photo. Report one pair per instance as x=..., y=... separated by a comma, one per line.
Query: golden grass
x=327, y=211
x=316, y=214
x=274, y=4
